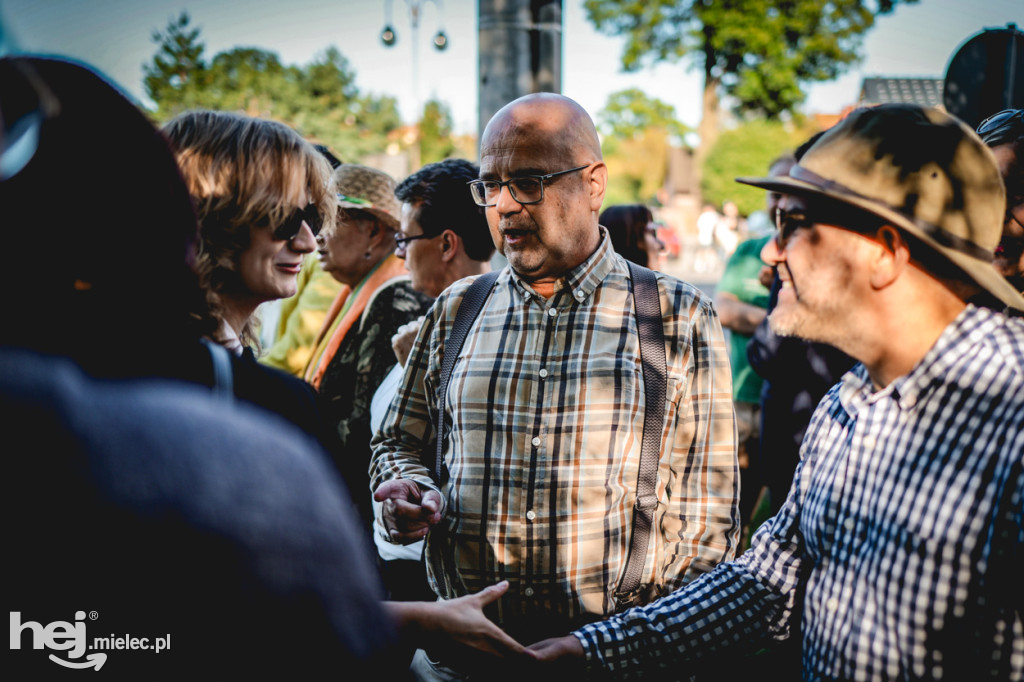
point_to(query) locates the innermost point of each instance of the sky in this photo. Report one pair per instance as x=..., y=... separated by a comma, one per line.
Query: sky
x=115, y=36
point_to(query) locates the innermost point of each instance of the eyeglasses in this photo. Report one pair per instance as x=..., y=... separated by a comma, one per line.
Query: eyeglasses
x=402, y=243
x=292, y=225
x=786, y=223
x=526, y=189
x=1005, y=126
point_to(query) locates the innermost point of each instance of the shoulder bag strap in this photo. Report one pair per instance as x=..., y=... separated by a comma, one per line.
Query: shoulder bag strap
x=647, y=302
x=472, y=303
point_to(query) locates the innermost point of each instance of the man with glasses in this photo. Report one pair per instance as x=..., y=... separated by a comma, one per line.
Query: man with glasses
x=897, y=554
x=443, y=237
x=1004, y=134
x=547, y=406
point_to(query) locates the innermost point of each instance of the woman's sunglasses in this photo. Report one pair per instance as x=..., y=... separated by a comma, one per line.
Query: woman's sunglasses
x=290, y=227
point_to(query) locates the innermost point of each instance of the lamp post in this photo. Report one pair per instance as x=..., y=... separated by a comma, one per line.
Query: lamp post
x=389, y=37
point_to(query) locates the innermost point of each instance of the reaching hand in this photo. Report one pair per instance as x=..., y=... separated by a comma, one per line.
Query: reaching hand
x=559, y=653
x=462, y=622
x=408, y=511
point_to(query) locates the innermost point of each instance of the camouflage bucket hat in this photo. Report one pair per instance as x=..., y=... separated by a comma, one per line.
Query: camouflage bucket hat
x=922, y=170
x=367, y=189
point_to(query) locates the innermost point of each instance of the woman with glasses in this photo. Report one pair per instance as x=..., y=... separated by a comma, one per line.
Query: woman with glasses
x=353, y=352
x=262, y=194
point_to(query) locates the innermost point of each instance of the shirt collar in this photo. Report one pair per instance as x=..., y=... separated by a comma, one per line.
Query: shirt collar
x=585, y=277
x=967, y=330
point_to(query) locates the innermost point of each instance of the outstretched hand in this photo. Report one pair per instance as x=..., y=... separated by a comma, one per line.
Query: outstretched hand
x=407, y=511
x=462, y=622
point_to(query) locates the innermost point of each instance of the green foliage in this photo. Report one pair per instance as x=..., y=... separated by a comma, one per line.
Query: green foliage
x=435, y=133
x=761, y=51
x=637, y=132
x=320, y=99
x=747, y=150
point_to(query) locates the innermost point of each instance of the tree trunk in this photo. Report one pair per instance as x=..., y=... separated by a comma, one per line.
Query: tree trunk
x=708, y=128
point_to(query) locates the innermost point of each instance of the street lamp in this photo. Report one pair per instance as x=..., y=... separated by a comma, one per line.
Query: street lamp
x=388, y=35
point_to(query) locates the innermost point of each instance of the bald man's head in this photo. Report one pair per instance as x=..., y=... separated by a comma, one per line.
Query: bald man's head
x=552, y=120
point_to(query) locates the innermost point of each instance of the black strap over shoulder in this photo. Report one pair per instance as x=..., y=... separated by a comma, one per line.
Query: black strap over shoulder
x=472, y=303
x=647, y=302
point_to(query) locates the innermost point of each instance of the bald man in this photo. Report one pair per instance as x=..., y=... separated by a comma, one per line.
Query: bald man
x=546, y=405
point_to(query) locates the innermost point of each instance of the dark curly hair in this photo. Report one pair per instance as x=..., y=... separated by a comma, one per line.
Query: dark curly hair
x=440, y=194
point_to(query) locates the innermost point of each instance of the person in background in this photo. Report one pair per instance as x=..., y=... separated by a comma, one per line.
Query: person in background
x=353, y=353
x=1004, y=134
x=262, y=193
x=633, y=235
x=898, y=548
x=546, y=406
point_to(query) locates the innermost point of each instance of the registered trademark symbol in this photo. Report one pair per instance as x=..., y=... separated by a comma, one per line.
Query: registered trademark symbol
x=93, y=615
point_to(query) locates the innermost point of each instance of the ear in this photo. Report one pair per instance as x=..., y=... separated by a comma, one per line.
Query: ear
x=449, y=245
x=598, y=184
x=890, y=258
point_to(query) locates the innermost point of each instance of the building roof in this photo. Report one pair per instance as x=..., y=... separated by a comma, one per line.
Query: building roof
x=923, y=91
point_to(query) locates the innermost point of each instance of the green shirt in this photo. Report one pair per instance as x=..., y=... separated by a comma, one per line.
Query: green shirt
x=740, y=278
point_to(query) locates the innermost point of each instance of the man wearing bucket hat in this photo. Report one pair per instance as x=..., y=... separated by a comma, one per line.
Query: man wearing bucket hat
x=898, y=550
x=353, y=351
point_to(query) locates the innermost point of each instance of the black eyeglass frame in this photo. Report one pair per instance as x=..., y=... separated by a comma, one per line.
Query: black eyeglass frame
x=477, y=187
x=997, y=128
x=402, y=243
x=291, y=226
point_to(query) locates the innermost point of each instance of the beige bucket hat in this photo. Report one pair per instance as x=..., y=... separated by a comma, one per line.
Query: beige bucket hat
x=922, y=170
x=367, y=189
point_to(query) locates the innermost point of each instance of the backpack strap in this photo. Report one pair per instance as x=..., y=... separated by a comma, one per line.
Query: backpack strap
x=223, y=382
x=472, y=304
x=647, y=302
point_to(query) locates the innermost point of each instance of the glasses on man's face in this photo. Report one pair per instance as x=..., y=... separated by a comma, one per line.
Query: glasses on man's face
x=526, y=189
x=290, y=227
x=786, y=223
x=402, y=243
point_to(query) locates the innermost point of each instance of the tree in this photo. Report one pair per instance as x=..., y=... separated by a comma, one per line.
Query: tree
x=175, y=76
x=435, y=133
x=320, y=100
x=746, y=150
x=757, y=51
x=637, y=132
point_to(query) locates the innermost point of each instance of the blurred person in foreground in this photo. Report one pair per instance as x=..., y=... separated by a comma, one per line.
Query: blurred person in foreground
x=634, y=237
x=547, y=407
x=353, y=353
x=899, y=545
x=442, y=238
x=149, y=508
x=1004, y=134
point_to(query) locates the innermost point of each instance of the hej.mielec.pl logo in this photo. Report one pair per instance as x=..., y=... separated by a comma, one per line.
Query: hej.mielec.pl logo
x=71, y=638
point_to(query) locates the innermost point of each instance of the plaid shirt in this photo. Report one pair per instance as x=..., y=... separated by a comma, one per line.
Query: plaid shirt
x=547, y=406
x=902, y=528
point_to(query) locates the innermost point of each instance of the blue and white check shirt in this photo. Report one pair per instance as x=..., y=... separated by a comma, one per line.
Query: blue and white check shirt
x=903, y=531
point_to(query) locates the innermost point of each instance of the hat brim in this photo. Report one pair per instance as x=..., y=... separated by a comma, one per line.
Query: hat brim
x=981, y=272
x=383, y=215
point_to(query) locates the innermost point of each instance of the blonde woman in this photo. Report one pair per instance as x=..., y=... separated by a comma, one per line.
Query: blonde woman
x=262, y=194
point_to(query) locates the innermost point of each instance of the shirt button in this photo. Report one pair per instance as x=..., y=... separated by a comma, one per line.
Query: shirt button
x=552, y=312
x=528, y=592
x=580, y=294
x=531, y=515
x=910, y=401
x=849, y=523
x=535, y=441
x=832, y=604
x=543, y=373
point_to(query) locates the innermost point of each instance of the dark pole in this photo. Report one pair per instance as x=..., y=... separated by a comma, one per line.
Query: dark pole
x=520, y=52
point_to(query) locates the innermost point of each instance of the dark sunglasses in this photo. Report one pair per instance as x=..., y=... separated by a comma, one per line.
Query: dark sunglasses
x=786, y=223
x=1005, y=126
x=289, y=229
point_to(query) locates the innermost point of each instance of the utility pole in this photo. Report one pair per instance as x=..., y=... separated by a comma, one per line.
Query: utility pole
x=520, y=52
